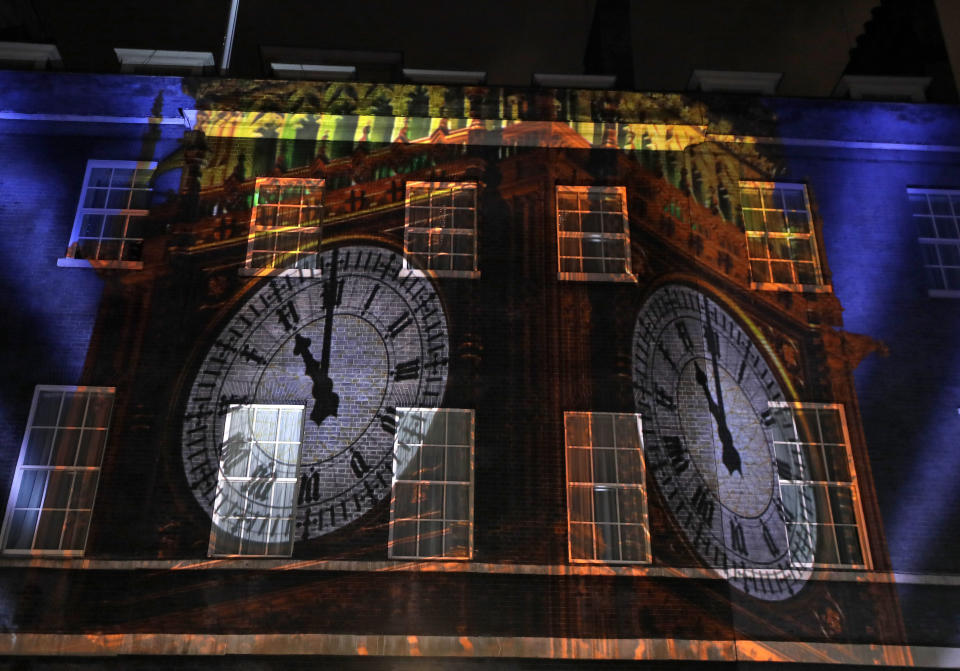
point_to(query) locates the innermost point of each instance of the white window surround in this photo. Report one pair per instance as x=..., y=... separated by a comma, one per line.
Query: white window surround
x=607, y=519
x=421, y=76
x=254, y=512
x=735, y=81
x=574, y=81
x=285, y=227
x=132, y=60
x=39, y=56
x=781, y=241
x=816, y=476
x=593, y=234
x=107, y=229
x=58, y=470
x=860, y=87
x=431, y=502
x=315, y=72
x=440, y=230
x=936, y=215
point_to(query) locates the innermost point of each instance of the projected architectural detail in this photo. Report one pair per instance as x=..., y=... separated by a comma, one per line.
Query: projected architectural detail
x=285, y=226
x=354, y=345
x=816, y=474
x=431, y=509
x=606, y=488
x=255, y=506
x=108, y=228
x=440, y=231
x=593, y=235
x=936, y=213
x=51, y=500
x=703, y=387
x=781, y=246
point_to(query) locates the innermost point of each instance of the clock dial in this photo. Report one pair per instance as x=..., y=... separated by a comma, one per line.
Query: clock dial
x=704, y=390
x=349, y=347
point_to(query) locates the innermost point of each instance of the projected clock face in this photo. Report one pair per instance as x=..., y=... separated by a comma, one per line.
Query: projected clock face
x=708, y=402
x=349, y=347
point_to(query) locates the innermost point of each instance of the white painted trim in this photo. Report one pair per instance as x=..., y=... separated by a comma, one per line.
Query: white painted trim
x=40, y=55
x=527, y=647
x=93, y=118
x=130, y=59
x=856, y=87
x=422, y=76
x=311, y=71
x=735, y=81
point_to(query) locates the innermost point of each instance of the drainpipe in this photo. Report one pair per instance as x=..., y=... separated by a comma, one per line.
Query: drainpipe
x=228, y=38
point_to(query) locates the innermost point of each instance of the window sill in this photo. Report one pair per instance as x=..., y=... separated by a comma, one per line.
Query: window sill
x=799, y=288
x=460, y=274
x=943, y=293
x=597, y=277
x=306, y=273
x=70, y=262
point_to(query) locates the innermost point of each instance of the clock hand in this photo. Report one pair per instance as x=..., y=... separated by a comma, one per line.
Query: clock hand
x=731, y=458
x=326, y=402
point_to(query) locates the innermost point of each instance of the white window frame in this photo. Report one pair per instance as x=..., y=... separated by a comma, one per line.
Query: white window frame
x=574, y=469
x=91, y=470
x=410, y=472
x=767, y=236
x=619, y=237
x=931, y=222
x=415, y=228
x=301, y=261
x=224, y=502
x=852, y=485
x=127, y=213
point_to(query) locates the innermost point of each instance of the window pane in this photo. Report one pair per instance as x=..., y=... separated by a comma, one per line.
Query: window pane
x=438, y=493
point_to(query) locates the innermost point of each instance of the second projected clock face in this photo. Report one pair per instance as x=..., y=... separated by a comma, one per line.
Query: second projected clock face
x=350, y=347
x=704, y=391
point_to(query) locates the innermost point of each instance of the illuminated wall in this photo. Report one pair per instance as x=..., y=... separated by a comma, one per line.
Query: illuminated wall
x=514, y=341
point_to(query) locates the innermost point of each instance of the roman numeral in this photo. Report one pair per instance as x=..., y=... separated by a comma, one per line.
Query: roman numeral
x=768, y=539
x=703, y=504
x=400, y=323
x=288, y=317
x=358, y=465
x=684, y=336
x=338, y=298
x=407, y=370
x=663, y=398
x=737, y=541
x=666, y=355
x=388, y=420
x=676, y=454
x=369, y=301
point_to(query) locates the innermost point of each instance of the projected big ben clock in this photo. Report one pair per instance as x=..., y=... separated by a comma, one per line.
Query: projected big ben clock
x=349, y=347
x=708, y=400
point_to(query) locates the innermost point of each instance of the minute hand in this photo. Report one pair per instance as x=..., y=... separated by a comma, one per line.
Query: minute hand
x=731, y=458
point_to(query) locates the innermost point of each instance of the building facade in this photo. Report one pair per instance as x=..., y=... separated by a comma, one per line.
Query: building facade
x=483, y=375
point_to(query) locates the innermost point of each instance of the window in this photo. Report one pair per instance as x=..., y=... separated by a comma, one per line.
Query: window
x=285, y=227
x=936, y=213
x=818, y=486
x=593, y=234
x=56, y=478
x=440, y=234
x=108, y=228
x=431, y=511
x=254, y=510
x=781, y=247
x=606, y=490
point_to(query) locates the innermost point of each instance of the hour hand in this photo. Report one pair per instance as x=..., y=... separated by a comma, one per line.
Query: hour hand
x=326, y=402
x=730, y=456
